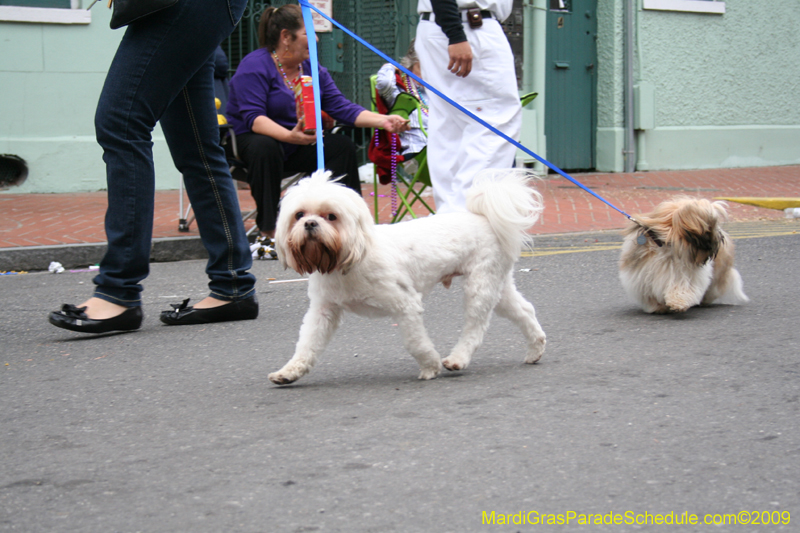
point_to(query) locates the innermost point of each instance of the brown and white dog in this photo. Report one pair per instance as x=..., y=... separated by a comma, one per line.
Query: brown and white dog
x=680, y=257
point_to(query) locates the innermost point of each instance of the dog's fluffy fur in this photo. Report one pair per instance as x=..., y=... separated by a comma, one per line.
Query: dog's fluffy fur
x=326, y=230
x=682, y=259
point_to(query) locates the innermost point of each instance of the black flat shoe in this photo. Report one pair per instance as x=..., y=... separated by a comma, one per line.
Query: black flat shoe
x=184, y=314
x=75, y=319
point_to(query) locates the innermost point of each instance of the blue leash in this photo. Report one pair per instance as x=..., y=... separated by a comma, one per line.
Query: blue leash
x=305, y=5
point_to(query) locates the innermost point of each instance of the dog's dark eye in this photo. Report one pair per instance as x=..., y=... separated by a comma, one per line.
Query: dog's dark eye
x=331, y=217
x=299, y=215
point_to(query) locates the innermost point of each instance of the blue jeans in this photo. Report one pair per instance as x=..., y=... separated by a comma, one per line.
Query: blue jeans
x=163, y=71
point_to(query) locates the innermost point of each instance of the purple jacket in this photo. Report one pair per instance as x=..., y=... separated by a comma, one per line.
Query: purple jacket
x=258, y=89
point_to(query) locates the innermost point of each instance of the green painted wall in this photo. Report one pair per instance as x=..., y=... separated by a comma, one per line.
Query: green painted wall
x=725, y=86
x=725, y=92
x=610, y=103
x=51, y=76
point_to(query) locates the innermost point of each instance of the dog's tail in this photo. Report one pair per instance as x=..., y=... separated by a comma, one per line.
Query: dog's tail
x=510, y=203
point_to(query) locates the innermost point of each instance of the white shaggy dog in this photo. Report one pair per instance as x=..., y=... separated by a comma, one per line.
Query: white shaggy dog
x=680, y=258
x=326, y=230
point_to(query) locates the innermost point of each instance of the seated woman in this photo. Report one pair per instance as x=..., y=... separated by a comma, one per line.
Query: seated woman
x=261, y=109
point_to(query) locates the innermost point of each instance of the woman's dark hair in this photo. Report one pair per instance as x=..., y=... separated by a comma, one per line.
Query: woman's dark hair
x=288, y=17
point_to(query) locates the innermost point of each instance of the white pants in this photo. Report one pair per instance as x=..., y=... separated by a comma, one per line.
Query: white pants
x=458, y=146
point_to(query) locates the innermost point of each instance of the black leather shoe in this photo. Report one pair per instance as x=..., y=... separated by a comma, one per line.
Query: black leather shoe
x=75, y=319
x=183, y=313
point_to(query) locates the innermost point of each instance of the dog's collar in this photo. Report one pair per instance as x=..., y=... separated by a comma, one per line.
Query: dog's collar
x=647, y=232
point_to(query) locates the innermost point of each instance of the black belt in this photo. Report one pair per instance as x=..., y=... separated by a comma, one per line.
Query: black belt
x=484, y=15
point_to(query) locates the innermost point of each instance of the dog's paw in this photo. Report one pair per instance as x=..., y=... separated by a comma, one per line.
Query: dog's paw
x=430, y=373
x=677, y=306
x=454, y=363
x=280, y=378
x=535, y=353
x=285, y=376
x=678, y=309
x=681, y=301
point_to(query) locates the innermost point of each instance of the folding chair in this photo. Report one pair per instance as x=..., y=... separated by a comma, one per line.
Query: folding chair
x=238, y=171
x=404, y=106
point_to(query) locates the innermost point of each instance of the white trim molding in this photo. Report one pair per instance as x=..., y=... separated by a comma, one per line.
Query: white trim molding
x=693, y=6
x=45, y=15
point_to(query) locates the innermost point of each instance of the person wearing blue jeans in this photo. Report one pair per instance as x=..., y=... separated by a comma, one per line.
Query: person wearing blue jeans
x=164, y=71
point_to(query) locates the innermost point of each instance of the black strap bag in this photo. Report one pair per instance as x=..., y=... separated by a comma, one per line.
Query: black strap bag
x=126, y=11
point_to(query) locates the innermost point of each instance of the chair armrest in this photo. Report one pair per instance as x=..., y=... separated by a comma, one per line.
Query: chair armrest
x=226, y=133
x=526, y=99
x=404, y=105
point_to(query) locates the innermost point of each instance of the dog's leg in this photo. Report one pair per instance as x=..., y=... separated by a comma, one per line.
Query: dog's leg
x=417, y=342
x=652, y=305
x=480, y=298
x=318, y=327
x=517, y=309
x=679, y=301
x=683, y=295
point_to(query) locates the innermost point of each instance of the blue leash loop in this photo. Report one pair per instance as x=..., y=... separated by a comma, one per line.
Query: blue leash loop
x=306, y=6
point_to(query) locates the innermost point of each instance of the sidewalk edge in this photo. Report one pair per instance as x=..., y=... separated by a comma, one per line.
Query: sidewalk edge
x=31, y=258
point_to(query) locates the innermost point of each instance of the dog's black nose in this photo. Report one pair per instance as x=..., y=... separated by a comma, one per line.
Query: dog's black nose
x=311, y=225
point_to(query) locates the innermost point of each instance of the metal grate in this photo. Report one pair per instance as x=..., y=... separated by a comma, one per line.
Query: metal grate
x=389, y=25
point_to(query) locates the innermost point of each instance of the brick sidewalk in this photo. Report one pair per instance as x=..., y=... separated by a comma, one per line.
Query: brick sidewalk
x=74, y=218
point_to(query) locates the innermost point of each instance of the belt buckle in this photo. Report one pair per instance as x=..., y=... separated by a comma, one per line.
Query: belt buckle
x=474, y=17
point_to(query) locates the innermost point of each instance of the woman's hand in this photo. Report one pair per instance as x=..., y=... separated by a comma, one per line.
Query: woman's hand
x=266, y=126
x=391, y=123
x=297, y=136
x=395, y=124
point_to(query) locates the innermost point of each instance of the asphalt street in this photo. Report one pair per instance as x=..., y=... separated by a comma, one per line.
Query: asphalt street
x=627, y=415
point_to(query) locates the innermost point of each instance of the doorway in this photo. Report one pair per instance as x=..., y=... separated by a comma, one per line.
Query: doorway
x=571, y=84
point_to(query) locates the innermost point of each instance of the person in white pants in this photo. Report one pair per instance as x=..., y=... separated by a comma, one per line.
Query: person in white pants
x=466, y=56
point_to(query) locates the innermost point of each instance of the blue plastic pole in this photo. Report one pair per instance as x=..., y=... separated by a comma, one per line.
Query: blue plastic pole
x=312, y=50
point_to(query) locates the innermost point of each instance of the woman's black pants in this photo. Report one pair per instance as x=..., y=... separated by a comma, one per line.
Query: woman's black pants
x=266, y=168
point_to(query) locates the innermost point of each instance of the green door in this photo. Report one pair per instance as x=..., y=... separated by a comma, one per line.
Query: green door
x=570, y=84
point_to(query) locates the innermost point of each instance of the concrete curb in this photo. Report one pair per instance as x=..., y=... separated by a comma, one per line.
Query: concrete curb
x=770, y=203
x=31, y=258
